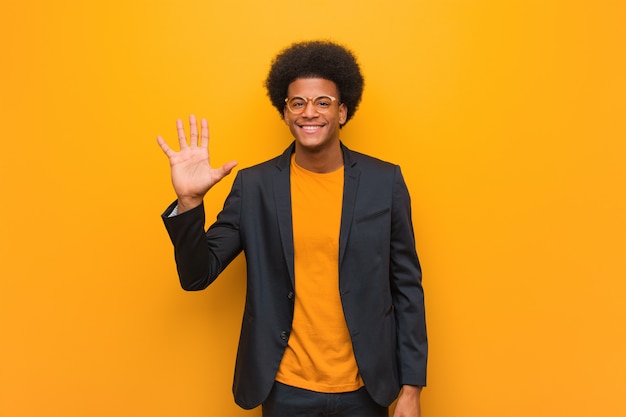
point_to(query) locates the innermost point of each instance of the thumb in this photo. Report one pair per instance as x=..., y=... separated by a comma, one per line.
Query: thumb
x=225, y=169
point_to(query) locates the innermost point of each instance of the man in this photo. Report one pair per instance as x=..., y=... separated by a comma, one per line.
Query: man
x=334, y=315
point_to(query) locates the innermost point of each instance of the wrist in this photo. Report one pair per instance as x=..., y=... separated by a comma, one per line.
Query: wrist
x=411, y=389
x=188, y=203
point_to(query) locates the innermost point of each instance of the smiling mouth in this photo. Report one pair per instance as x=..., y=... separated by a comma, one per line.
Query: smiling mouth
x=311, y=128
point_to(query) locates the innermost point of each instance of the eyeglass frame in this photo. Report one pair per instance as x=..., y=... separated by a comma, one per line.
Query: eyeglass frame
x=307, y=100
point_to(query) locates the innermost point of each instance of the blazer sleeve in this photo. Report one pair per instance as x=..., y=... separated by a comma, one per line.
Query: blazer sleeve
x=406, y=289
x=201, y=256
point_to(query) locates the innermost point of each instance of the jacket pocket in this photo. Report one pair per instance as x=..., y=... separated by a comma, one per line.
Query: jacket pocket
x=373, y=215
x=389, y=310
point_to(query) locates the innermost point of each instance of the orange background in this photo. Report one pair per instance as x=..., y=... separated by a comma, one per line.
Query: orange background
x=507, y=117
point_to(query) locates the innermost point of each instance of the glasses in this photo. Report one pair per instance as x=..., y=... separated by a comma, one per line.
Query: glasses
x=321, y=104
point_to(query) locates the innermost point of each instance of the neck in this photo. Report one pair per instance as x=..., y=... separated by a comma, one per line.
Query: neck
x=320, y=161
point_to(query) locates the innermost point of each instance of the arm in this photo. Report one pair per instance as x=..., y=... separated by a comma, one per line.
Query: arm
x=201, y=256
x=408, y=404
x=198, y=263
x=192, y=174
x=408, y=299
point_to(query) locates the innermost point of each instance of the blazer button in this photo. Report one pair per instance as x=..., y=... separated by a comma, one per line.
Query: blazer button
x=283, y=335
x=290, y=295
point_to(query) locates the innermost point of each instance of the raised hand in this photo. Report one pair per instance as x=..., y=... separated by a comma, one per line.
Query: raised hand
x=192, y=174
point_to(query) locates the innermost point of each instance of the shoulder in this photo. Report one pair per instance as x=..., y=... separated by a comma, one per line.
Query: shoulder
x=375, y=173
x=368, y=163
x=270, y=164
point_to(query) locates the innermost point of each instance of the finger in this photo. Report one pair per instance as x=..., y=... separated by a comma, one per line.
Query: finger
x=164, y=147
x=204, y=133
x=225, y=169
x=193, y=131
x=181, y=134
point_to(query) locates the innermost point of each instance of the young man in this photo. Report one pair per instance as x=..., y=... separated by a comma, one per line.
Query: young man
x=334, y=316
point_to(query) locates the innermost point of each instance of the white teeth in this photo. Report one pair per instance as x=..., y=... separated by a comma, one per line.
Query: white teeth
x=310, y=127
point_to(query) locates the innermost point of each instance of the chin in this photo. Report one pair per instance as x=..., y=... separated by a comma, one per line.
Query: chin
x=312, y=144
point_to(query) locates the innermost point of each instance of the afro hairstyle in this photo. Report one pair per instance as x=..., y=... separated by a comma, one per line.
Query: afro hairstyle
x=316, y=59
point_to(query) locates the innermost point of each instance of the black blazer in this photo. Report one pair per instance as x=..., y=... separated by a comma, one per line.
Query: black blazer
x=379, y=272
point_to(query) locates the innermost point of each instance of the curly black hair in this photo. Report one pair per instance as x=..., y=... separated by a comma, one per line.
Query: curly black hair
x=316, y=59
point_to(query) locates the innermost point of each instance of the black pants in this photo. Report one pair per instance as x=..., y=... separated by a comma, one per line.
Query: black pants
x=287, y=401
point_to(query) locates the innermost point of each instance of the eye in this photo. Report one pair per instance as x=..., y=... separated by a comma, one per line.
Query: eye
x=297, y=103
x=323, y=102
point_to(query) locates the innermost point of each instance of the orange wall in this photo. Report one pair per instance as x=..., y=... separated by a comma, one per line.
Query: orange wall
x=508, y=118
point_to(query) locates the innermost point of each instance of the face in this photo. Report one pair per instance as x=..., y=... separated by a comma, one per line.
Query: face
x=315, y=129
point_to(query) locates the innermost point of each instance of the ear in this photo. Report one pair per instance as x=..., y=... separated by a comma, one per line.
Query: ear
x=343, y=113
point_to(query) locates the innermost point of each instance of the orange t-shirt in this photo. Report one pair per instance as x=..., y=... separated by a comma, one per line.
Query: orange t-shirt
x=319, y=355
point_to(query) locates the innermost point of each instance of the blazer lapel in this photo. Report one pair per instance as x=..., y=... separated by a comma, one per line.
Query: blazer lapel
x=282, y=198
x=350, y=187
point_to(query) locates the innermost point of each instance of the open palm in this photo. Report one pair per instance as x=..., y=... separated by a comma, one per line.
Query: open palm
x=192, y=174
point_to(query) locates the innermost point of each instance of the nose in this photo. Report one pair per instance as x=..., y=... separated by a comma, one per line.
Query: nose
x=309, y=109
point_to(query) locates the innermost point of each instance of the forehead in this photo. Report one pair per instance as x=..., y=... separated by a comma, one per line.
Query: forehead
x=311, y=87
